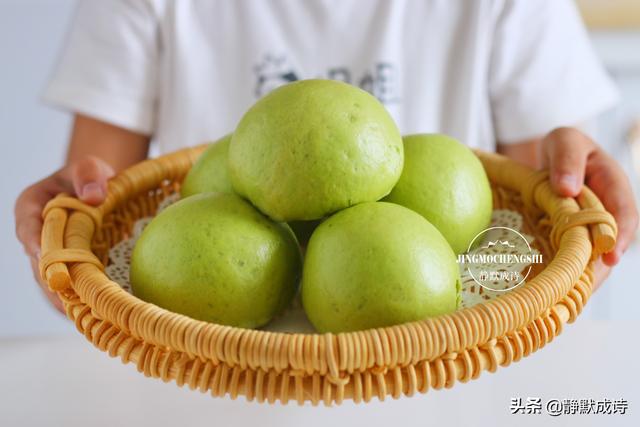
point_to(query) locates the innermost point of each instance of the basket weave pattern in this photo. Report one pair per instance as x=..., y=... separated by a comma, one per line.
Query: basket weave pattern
x=271, y=366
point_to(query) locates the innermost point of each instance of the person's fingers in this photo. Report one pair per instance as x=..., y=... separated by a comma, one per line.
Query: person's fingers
x=627, y=218
x=86, y=179
x=573, y=157
x=89, y=177
x=28, y=213
x=609, y=182
x=51, y=296
x=600, y=273
x=566, y=151
x=28, y=231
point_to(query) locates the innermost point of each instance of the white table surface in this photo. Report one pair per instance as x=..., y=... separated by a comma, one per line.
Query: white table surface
x=66, y=382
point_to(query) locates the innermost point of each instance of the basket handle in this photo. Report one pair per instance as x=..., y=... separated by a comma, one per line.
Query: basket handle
x=601, y=224
x=603, y=233
x=61, y=242
x=55, y=274
x=69, y=224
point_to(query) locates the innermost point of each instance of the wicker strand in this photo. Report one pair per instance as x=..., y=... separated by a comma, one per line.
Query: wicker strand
x=56, y=274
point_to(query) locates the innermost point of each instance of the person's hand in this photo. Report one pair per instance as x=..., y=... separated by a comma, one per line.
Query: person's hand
x=573, y=160
x=86, y=179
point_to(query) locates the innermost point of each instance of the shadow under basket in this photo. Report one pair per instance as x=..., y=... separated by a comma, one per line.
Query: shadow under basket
x=273, y=366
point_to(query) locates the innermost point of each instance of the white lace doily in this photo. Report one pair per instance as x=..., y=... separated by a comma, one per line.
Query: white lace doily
x=294, y=319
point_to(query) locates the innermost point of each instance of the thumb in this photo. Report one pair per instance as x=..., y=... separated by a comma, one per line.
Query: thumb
x=567, y=151
x=89, y=177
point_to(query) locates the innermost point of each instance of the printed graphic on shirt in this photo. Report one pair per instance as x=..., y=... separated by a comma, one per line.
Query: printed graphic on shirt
x=380, y=79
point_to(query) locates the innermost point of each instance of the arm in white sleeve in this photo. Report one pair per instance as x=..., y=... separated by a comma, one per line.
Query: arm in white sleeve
x=544, y=72
x=109, y=67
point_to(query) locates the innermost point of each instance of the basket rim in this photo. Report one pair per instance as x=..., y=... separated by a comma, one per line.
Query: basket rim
x=331, y=354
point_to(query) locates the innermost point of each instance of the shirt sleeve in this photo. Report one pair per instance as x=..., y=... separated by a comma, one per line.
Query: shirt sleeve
x=544, y=72
x=109, y=67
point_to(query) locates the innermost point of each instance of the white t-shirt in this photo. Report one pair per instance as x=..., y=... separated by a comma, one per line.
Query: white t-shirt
x=185, y=71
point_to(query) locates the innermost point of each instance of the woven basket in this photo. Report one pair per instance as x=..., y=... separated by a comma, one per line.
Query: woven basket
x=269, y=366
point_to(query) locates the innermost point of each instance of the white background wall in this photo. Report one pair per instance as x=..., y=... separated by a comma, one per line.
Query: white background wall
x=33, y=139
